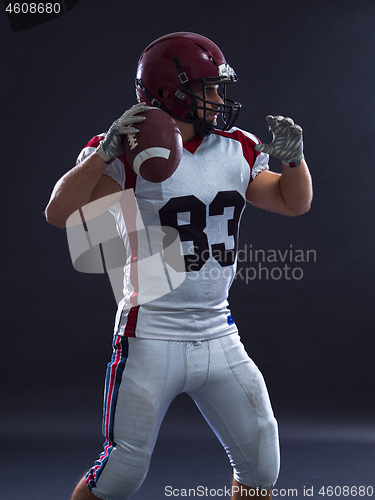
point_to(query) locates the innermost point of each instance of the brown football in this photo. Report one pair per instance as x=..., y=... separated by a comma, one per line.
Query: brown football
x=155, y=151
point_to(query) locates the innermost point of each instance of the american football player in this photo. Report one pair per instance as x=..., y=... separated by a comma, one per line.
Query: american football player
x=186, y=340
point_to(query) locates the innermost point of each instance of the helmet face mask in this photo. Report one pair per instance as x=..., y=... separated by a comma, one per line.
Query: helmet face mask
x=181, y=63
x=228, y=111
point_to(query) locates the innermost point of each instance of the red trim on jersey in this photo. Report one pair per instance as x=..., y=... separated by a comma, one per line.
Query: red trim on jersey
x=247, y=144
x=193, y=145
x=130, y=175
x=131, y=322
x=94, y=142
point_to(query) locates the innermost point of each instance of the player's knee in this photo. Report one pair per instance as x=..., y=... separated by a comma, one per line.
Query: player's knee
x=124, y=473
x=263, y=472
x=133, y=463
x=268, y=430
x=269, y=453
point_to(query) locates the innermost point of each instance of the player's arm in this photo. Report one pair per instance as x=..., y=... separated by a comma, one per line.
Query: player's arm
x=86, y=181
x=288, y=193
x=80, y=185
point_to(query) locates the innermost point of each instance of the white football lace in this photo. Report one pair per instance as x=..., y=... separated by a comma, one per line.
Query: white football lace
x=132, y=142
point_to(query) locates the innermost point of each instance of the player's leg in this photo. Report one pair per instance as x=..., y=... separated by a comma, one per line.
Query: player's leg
x=234, y=400
x=82, y=492
x=138, y=393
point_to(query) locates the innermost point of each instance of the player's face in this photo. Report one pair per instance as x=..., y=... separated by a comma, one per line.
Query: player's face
x=213, y=96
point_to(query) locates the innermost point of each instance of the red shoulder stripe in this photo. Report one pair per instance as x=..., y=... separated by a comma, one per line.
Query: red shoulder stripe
x=247, y=144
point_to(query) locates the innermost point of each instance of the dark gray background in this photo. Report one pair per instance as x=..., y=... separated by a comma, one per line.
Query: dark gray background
x=67, y=80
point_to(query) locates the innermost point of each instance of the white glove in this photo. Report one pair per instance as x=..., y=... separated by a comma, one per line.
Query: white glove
x=112, y=145
x=287, y=144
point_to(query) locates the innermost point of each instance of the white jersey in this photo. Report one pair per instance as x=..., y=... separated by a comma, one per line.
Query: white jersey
x=203, y=200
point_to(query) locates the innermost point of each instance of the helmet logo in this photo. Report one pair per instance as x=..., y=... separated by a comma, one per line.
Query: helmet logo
x=225, y=71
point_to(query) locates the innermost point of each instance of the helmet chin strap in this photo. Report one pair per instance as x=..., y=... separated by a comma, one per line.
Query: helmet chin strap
x=203, y=128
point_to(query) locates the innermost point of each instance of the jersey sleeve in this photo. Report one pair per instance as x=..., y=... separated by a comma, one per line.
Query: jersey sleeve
x=258, y=162
x=115, y=170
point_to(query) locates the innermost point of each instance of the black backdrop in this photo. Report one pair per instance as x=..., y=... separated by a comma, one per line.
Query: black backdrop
x=68, y=79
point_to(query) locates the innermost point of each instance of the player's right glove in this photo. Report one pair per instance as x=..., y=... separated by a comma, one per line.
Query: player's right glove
x=287, y=144
x=112, y=145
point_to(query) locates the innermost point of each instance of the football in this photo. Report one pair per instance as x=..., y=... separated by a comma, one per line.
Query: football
x=155, y=151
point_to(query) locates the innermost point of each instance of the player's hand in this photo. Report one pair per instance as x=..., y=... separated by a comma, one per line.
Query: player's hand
x=112, y=145
x=287, y=144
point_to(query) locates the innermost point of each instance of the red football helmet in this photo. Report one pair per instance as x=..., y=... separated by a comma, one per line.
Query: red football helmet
x=178, y=63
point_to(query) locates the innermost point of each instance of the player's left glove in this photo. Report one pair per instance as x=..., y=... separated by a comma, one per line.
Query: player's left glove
x=287, y=144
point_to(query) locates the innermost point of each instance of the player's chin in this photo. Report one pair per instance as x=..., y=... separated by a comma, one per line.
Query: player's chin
x=212, y=119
